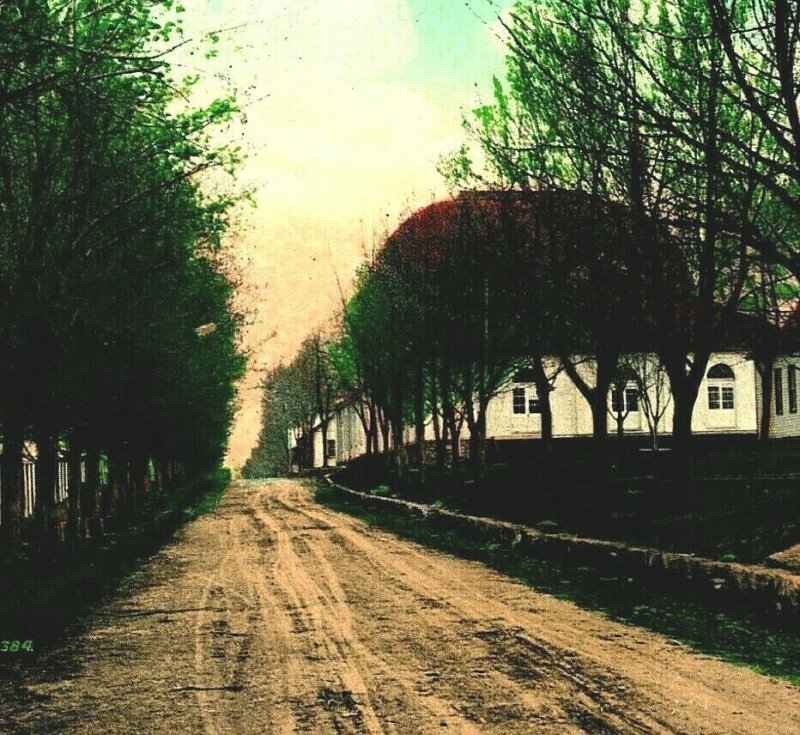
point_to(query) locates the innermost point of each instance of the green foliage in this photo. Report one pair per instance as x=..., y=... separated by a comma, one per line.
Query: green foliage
x=108, y=245
x=298, y=399
x=680, y=110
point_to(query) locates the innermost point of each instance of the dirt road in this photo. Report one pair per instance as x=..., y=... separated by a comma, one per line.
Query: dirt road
x=275, y=615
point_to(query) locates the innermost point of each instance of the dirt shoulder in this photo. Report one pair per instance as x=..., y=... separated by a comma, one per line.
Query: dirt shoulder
x=275, y=615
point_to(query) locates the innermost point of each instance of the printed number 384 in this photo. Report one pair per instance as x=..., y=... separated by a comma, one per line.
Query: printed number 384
x=14, y=646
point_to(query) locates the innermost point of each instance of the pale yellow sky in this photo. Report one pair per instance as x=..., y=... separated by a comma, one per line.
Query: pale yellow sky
x=348, y=104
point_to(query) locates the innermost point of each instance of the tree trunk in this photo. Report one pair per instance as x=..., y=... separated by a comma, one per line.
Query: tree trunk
x=91, y=490
x=597, y=398
x=419, y=419
x=399, y=454
x=127, y=489
x=477, y=440
x=598, y=405
x=46, y=475
x=543, y=394
x=385, y=439
x=653, y=438
x=684, y=387
x=310, y=459
x=110, y=501
x=324, y=429
x=451, y=427
x=11, y=481
x=455, y=437
x=438, y=434
x=146, y=484
x=681, y=445
x=362, y=417
x=160, y=479
x=141, y=480
x=74, y=489
x=372, y=434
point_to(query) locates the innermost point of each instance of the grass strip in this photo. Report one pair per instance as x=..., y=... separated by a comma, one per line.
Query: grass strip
x=766, y=645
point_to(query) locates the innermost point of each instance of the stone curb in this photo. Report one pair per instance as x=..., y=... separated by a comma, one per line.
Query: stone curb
x=755, y=588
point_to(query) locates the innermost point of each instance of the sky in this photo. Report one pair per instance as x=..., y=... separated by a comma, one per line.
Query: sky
x=347, y=105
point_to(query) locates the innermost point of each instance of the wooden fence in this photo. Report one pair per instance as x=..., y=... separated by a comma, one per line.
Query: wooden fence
x=60, y=487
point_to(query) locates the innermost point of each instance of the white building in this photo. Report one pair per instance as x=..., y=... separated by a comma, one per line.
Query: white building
x=728, y=403
x=785, y=420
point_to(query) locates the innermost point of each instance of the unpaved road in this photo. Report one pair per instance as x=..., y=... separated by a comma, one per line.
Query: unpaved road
x=275, y=615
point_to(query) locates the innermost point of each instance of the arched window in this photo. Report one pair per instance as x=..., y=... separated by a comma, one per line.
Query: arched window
x=524, y=375
x=720, y=371
x=720, y=387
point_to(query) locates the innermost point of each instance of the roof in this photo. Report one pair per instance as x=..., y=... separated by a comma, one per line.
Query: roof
x=580, y=235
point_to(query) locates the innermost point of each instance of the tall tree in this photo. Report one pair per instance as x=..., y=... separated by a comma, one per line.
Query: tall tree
x=107, y=257
x=632, y=102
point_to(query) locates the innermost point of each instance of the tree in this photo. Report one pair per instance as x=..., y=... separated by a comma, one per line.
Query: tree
x=108, y=255
x=632, y=102
x=653, y=390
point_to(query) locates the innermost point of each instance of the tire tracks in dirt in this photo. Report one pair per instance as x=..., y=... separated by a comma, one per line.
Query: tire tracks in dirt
x=277, y=615
x=588, y=695
x=618, y=678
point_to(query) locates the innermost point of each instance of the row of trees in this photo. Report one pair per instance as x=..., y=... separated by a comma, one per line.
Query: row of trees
x=115, y=327
x=468, y=292
x=640, y=190
x=298, y=402
x=685, y=112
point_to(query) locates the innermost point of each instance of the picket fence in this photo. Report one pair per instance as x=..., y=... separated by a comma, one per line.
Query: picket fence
x=59, y=489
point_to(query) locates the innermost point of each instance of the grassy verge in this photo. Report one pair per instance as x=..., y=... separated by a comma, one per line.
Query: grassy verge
x=39, y=600
x=764, y=645
x=744, y=513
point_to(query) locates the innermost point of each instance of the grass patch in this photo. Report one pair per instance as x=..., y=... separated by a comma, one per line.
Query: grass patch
x=43, y=596
x=768, y=646
x=745, y=499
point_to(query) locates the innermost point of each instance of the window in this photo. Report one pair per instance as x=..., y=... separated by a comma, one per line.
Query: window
x=519, y=400
x=616, y=401
x=721, y=372
x=721, y=387
x=524, y=375
x=632, y=399
x=331, y=448
x=778, y=392
x=727, y=397
x=791, y=384
x=526, y=399
x=626, y=401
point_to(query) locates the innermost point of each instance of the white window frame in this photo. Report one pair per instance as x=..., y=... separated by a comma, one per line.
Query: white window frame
x=518, y=399
x=721, y=392
x=526, y=398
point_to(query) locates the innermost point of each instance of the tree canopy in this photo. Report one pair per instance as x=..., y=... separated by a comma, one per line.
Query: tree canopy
x=109, y=244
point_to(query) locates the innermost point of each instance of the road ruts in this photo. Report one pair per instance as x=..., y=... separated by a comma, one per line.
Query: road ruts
x=277, y=615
